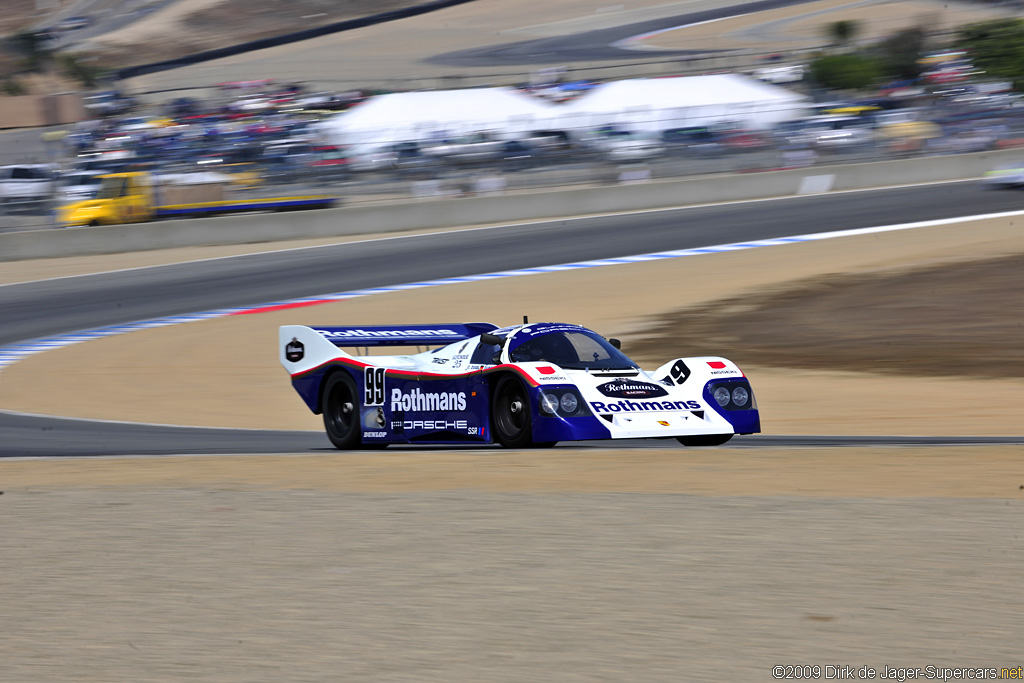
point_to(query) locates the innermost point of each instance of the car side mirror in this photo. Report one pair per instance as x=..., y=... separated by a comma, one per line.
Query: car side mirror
x=491, y=339
x=616, y=343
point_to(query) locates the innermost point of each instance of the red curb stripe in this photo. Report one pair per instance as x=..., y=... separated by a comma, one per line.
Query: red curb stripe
x=283, y=307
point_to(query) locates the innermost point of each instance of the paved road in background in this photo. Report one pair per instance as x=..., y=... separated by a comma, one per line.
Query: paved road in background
x=595, y=46
x=38, y=309
x=106, y=16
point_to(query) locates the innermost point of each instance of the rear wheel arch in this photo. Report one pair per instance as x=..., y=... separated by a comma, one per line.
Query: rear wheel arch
x=323, y=383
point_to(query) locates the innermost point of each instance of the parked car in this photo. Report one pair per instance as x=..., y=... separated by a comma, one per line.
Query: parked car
x=330, y=160
x=467, y=149
x=826, y=133
x=782, y=74
x=26, y=182
x=369, y=158
x=182, y=107
x=625, y=146
x=287, y=159
x=693, y=140
x=102, y=163
x=407, y=158
x=411, y=160
x=545, y=147
x=107, y=103
x=74, y=23
x=745, y=140
x=517, y=155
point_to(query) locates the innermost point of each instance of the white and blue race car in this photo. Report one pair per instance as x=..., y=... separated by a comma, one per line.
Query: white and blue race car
x=520, y=386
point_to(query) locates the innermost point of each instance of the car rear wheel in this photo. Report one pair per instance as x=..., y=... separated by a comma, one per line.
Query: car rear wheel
x=704, y=440
x=341, y=410
x=510, y=413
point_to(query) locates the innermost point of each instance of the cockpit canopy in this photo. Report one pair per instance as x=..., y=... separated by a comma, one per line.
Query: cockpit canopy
x=569, y=346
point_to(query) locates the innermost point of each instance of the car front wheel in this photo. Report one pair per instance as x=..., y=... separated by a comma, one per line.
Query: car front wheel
x=510, y=414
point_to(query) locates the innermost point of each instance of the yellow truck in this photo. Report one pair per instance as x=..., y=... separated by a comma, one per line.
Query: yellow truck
x=140, y=196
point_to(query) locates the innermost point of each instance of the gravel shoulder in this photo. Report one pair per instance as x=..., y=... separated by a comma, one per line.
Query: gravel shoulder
x=910, y=472
x=228, y=585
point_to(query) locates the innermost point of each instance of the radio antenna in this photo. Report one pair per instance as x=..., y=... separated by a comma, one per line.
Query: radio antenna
x=526, y=320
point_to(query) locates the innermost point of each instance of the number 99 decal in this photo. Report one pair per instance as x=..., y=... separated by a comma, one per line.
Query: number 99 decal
x=374, y=386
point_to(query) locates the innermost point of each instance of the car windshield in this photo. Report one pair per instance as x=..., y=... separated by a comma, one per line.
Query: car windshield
x=573, y=350
x=110, y=188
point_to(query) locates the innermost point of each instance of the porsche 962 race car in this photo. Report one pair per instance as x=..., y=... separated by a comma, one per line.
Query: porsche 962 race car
x=520, y=386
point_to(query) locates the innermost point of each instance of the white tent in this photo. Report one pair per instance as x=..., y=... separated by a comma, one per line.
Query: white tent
x=656, y=104
x=436, y=114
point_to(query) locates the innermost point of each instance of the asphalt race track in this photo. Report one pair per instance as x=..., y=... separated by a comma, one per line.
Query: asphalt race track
x=593, y=46
x=49, y=307
x=37, y=436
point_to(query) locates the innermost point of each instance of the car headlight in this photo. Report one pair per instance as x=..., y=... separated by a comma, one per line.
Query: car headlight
x=731, y=395
x=549, y=403
x=740, y=396
x=561, y=402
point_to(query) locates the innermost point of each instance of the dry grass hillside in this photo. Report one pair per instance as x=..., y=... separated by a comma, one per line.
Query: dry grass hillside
x=193, y=27
x=961, y=319
x=16, y=16
x=237, y=21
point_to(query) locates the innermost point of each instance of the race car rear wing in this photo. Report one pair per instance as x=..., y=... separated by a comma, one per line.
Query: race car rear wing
x=402, y=335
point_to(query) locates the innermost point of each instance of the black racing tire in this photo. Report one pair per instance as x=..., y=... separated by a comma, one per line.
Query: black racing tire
x=510, y=413
x=704, y=440
x=340, y=404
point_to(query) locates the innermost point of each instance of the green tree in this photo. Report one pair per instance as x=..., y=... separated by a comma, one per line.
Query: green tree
x=842, y=32
x=32, y=47
x=12, y=86
x=86, y=74
x=845, y=72
x=898, y=53
x=996, y=47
